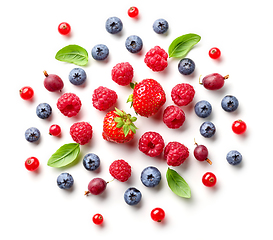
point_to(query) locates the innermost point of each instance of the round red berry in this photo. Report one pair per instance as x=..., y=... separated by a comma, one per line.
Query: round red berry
x=175, y=153
x=97, y=219
x=173, y=117
x=32, y=163
x=157, y=214
x=122, y=73
x=182, y=94
x=239, y=127
x=64, y=28
x=133, y=12
x=69, y=104
x=120, y=170
x=209, y=179
x=156, y=59
x=26, y=93
x=104, y=98
x=81, y=132
x=55, y=130
x=214, y=53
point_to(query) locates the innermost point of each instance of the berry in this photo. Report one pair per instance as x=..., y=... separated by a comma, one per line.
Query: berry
x=113, y=25
x=133, y=12
x=32, y=163
x=26, y=93
x=156, y=59
x=69, y=104
x=209, y=179
x=203, y=108
x=91, y=162
x=201, y=153
x=151, y=143
x=175, y=153
x=43, y=110
x=182, y=94
x=96, y=186
x=213, y=81
x=122, y=73
x=239, y=127
x=229, y=103
x=64, y=28
x=32, y=134
x=157, y=214
x=186, y=66
x=234, y=157
x=147, y=98
x=207, y=129
x=104, y=98
x=150, y=176
x=97, y=219
x=160, y=26
x=100, y=52
x=173, y=117
x=77, y=76
x=65, y=181
x=133, y=44
x=214, y=53
x=53, y=82
x=132, y=196
x=55, y=130
x=118, y=127
x=120, y=170
x=81, y=132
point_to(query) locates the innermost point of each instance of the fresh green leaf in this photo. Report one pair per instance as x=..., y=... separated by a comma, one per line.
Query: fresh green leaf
x=65, y=155
x=73, y=54
x=119, y=112
x=177, y=184
x=180, y=46
x=120, y=124
x=133, y=127
x=133, y=119
x=126, y=129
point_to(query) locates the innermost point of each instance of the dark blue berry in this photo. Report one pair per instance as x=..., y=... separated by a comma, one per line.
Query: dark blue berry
x=113, y=25
x=65, y=181
x=100, y=52
x=134, y=44
x=150, y=176
x=234, y=157
x=43, y=110
x=91, y=161
x=207, y=129
x=132, y=196
x=160, y=26
x=77, y=76
x=203, y=109
x=229, y=103
x=32, y=134
x=186, y=66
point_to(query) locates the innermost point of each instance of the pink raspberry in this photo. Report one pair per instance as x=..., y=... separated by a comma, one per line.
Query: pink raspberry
x=175, y=153
x=151, y=143
x=173, y=117
x=122, y=73
x=120, y=170
x=156, y=59
x=81, y=132
x=182, y=94
x=69, y=104
x=104, y=98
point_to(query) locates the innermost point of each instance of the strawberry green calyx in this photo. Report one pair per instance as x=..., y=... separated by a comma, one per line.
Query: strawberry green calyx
x=125, y=121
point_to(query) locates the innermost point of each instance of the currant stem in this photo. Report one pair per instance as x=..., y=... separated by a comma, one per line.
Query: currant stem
x=45, y=73
x=226, y=77
x=195, y=142
x=210, y=162
x=199, y=80
x=86, y=193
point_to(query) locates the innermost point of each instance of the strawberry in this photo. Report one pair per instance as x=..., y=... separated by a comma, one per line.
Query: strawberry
x=147, y=98
x=118, y=126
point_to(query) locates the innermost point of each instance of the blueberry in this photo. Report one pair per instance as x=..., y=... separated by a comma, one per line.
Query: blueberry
x=43, y=110
x=65, y=181
x=100, y=52
x=207, y=129
x=113, y=25
x=32, y=134
x=134, y=44
x=186, y=66
x=203, y=109
x=150, y=176
x=77, y=76
x=132, y=196
x=234, y=157
x=91, y=161
x=160, y=26
x=229, y=103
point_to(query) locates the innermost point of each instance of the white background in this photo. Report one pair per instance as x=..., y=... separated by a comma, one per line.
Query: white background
x=238, y=207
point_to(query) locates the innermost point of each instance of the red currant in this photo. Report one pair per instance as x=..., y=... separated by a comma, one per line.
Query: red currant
x=133, y=12
x=239, y=127
x=214, y=53
x=157, y=214
x=97, y=219
x=32, y=163
x=55, y=130
x=64, y=28
x=209, y=179
x=26, y=93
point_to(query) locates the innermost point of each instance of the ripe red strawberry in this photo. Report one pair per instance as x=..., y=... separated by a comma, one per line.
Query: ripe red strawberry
x=148, y=97
x=118, y=127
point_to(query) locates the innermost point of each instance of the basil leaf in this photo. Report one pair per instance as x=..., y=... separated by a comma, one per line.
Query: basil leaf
x=73, y=54
x=182, y=45
x=177, y=184
x=65, y=155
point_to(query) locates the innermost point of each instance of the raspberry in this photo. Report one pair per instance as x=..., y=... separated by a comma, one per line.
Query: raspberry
x=69, y=104
x=151, y=143
x=156, y=59
x=122, y=73
x=104, y=98
x=173, y=117
x=81, y=132
x=175, y=153
x=182, y=94
x=120, y=170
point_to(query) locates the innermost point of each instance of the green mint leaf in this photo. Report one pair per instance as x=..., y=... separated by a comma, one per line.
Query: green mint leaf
x=177, y=184
x=180, y=46
x=73, y=54
x=65, y=155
